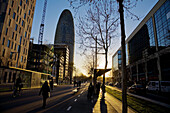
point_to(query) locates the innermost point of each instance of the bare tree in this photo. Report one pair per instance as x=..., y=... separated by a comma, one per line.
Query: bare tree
x=105, y=37
x=99, y=26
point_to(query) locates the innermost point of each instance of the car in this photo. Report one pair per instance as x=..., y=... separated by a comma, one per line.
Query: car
x=110, y=84
x=158, y=86
x=137, y=89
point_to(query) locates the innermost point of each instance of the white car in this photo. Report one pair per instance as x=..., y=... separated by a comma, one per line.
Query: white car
x=163, y=86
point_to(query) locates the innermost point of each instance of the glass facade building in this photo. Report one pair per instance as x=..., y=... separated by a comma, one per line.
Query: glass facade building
x=162, y=22
x=148, y=47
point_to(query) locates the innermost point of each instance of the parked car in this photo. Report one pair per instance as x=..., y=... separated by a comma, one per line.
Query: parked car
x=137, y=88
x=110, y=84
x=158, y=86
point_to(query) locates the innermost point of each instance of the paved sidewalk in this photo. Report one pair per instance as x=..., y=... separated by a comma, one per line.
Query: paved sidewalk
x=109, y=105
x=141, y=97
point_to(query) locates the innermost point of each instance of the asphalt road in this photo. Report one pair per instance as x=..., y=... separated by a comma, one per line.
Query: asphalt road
x=62, y=100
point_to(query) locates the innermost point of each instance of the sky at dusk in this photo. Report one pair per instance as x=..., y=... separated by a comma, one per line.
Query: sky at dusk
x=53, y=12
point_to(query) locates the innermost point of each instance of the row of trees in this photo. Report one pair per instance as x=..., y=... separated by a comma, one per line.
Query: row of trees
x=99, y=25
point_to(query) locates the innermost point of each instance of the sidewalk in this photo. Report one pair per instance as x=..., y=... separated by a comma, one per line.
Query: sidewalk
x=144, y=98
x=109, y=105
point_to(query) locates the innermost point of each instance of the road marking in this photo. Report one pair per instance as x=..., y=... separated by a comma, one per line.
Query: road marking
x=78, y=95
x=75, y=100
x=69, y=108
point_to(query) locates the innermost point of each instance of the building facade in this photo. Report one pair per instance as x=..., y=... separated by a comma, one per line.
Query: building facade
x=148, y=47
x=65, y=35
x=16, y=17
x=46, y=58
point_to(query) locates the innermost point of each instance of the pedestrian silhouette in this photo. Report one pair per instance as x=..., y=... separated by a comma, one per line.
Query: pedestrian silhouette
x=90, y=91
x=45, y=90
x=17, y=85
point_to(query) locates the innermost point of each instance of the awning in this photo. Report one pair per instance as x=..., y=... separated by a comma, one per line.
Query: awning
x=99, y=72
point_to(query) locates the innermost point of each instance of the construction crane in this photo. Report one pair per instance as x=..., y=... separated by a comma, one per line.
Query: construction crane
x=41, y=32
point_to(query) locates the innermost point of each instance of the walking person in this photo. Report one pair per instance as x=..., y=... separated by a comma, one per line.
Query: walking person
x=45, y=90
x=18, y=85
x=90, y=91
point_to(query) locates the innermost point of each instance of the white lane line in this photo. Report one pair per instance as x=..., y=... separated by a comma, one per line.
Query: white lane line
x=75, y=100
x=69, y=108
x=78, y=95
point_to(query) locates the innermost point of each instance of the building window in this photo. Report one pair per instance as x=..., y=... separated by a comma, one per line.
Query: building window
x=19, y=30
x=12, y=3
x=22, y=23
x=12, y=45
x=14, y=15
x=3, y=53
x=29, y=12
x=20, y=2
x=9, y=22
x=6, y=31
x=18, y=9
x=13, y=35
x=17, y=19
x=16, y=27
x=11, y=55
x=20, y=40
x=9, y=79
x=23, y=41
x=8, y=44
x=25, y=34
x=18, y=48
x=15, y=56
x=5, y=77
x=24, y=15
x=15, y=47
x=3, y=41
x=9, y=11
x=24, y=60
x=21, y=58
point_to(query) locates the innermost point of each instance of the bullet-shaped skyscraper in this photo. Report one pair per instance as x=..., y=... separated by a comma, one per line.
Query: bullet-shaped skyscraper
x=65, y=35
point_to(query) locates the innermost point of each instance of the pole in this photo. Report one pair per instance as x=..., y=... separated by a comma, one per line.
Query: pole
x=95, y=77
x=124, y=76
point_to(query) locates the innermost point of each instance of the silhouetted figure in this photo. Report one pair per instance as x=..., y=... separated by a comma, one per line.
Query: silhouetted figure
x=98, y=88
x=51, y=84
x=45, y=90
x=18, y=85
x=90, y=91
x=74, y=83
x=79, y=83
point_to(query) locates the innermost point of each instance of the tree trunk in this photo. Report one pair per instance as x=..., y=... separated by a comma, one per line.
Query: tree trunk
x=103, y=86
x=124, y=77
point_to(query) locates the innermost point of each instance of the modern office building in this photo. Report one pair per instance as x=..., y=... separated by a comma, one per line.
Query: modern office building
x=46, y=58
x=65, y=35
x=16, y=17
x=147, y=48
